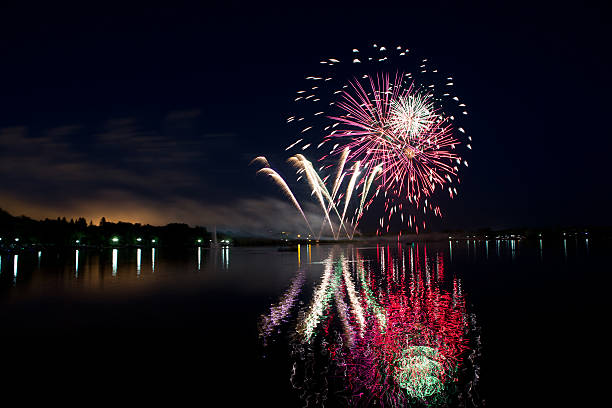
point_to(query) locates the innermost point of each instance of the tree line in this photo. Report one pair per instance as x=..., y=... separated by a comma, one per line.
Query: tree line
x=24, y=231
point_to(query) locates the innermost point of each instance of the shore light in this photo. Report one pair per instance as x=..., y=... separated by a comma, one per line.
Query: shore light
x=115, y=239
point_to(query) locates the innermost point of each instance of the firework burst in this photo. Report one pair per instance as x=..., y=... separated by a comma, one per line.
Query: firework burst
x=388, y=123
x=400, y=131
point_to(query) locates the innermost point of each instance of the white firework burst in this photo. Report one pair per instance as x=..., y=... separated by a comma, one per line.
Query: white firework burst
x=412, y=115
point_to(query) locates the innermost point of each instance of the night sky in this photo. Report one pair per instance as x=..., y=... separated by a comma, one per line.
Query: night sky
x=153, y=114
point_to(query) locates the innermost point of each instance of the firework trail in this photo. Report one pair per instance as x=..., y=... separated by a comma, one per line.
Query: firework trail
x=340, y=175
x=261, y=160
x=350, y=188
x=285, y=188
x=301, y=163
x=366, y=188
x=327, y=201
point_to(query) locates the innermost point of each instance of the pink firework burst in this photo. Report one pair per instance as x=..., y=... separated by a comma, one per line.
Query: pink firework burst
x=394, y=126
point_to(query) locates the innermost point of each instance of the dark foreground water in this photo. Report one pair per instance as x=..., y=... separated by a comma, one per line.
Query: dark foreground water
x=478, y=323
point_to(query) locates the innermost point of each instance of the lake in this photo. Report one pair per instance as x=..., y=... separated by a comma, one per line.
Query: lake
x=459, y=323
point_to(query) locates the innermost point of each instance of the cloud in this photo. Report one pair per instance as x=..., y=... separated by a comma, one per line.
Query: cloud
x=256, y=216
x=124, y=171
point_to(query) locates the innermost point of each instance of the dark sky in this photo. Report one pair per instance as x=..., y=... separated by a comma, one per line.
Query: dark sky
x=153, y=114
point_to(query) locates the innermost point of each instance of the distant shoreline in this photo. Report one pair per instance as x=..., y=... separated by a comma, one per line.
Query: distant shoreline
x=20, y=234
x=289, y=245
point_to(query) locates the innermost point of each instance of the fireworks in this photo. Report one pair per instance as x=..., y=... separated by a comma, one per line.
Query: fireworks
x=394, y=128
x=328, y=202
x=400, y=131
x=412, y=115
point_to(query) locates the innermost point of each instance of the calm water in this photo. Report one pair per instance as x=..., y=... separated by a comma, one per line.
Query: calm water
x=477, y=323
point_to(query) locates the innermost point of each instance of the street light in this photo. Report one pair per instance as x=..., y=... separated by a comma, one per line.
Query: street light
x=115, y=239
x=138, y=239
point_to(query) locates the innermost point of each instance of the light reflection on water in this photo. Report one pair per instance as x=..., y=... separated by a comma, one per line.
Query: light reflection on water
x=129, y=268
x=76, y=263
x=378, y=331
x=138, y=260
x=115, y=255
x=85, y=264
x=199, y=258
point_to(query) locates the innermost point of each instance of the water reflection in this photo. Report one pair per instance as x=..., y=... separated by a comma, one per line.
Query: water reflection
x=76, y=263
x=541, y=251
x=199, y=258
x=15, y=262
x=138, y=259
x=225, y=257
x=115, y=254
x=152, y=260
x=377, y=332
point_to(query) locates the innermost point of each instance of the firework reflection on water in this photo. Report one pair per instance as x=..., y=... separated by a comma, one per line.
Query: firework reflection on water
x=391, y=329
